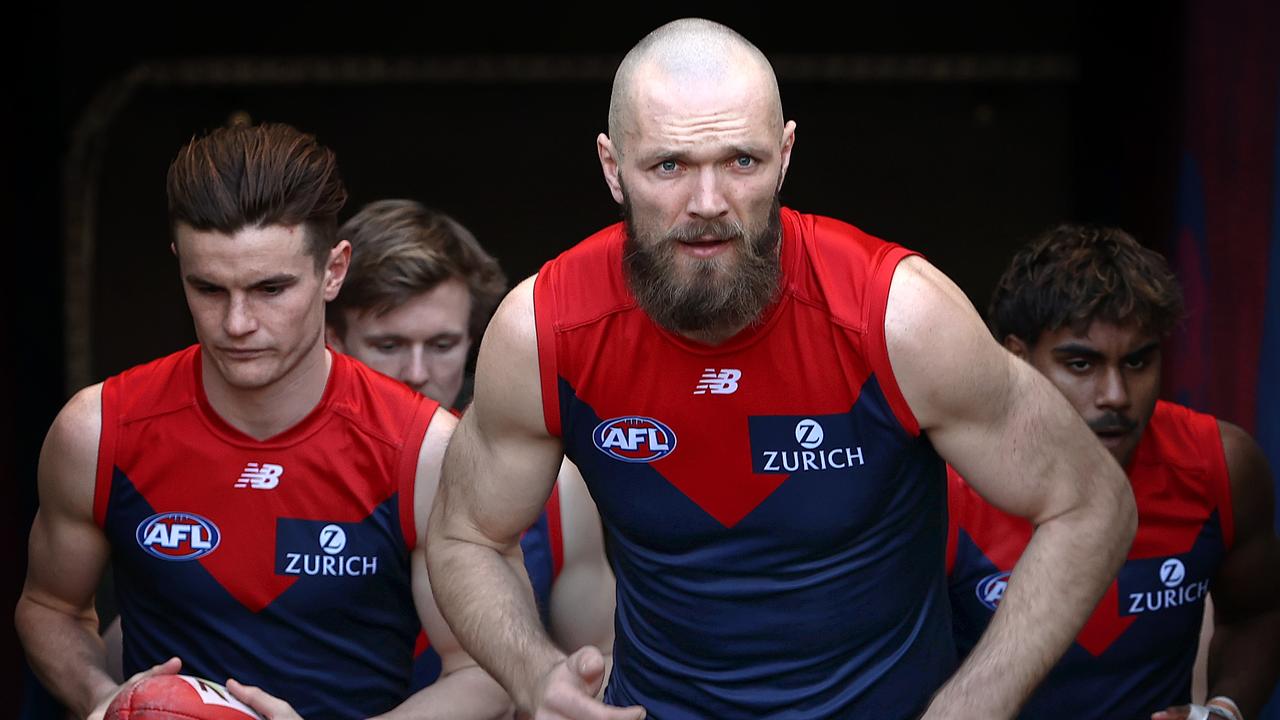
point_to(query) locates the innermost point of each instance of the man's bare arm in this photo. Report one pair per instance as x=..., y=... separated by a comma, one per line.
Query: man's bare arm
x=1021, y=446
x=1244, y=656
x=464, y=691
x=582, y=597
x=67, y=554
x=499, y=470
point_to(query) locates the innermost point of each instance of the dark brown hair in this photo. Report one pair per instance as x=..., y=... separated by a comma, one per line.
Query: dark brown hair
x=1076, y=274
x=270, y=174
x=399, y=249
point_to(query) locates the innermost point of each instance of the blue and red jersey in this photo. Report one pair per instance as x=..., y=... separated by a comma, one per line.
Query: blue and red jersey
x=772, y=513
x=281, y=562
x=1136, y=652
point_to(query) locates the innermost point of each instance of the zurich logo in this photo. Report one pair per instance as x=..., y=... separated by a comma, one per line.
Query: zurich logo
x=991, y=588
x=1172, y=572
x=634, y=439
x=332, y=539
x=809, y=433
x=178, y=536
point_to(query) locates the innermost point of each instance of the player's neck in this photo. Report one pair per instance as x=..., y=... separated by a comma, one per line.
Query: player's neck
x=714, y=336
x=267, y=411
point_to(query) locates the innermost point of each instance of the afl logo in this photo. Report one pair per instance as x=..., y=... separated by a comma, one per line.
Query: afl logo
x=1172, y=572
x=634, y=439
x=991, y=588
x=178, y=536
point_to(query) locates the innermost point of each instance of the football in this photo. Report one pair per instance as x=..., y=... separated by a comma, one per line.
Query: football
x=177, y=697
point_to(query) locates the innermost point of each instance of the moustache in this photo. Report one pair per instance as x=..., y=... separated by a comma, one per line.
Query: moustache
x=1112, y=422
x=715, y=231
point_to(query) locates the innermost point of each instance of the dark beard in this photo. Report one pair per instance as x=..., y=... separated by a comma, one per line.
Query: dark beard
x=701, y=303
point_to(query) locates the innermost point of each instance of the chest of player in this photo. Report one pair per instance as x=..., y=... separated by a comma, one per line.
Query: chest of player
x=1153, y=608
x=786, y=430
x=256, y=521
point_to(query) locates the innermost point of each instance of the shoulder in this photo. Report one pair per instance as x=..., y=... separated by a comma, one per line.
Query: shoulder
x=155, y=387
x=586, y=281
x=377, y=403
x=81, y=418
x=836, y=263
x=1246, y=463
x=942, y=354
x=1251, y=485
x=69, y=457
x=512, y=327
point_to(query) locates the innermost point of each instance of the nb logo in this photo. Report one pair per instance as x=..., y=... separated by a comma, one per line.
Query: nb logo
x=1172, y=572
x=809, y=434
x=332, y=539
x=722, y=382
x=260, y=477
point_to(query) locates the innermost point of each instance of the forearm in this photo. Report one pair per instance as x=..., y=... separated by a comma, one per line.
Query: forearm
x=1039, y=616
x=485, y=598
x=1244, y=661
x=468, y=694
x=66, y=653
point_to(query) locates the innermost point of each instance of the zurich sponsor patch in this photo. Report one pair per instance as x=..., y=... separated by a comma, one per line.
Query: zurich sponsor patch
x=178, y=536
x=319, y=548
x=990, y=589
x=634, y=439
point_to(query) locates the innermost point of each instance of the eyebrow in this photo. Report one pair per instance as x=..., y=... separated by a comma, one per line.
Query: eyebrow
x=1074, y=348
x=1145, y=349
x=377, y=337
x=664, y=154
x=277, y=279
x=1082, y=350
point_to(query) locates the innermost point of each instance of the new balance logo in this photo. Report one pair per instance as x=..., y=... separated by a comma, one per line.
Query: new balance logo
x=718, y=382
x=260, y=477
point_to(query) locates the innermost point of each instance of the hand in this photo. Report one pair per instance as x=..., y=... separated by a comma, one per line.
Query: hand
x=1194, y=712
x=570, y=688
x=168, y=667
x=263, y=702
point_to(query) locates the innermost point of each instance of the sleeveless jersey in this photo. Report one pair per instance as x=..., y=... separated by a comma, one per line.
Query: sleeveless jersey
x=774, y=518
x=283, y=562
x=1135, y=653
x=543, y=549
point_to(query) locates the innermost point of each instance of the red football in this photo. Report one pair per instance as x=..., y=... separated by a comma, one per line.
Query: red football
x=177, y=697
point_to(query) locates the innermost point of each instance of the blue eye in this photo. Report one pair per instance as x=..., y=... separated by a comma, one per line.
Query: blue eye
x=668, y=166
x=744, y=161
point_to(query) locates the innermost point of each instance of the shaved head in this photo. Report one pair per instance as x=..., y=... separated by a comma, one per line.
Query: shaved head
x=688, y=53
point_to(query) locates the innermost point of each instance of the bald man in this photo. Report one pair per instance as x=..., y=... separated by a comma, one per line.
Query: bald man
x=761, y=403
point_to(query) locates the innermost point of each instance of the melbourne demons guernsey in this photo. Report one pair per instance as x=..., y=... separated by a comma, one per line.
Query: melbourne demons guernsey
x=774, y=518
x=283, y=562
x=1135, y=654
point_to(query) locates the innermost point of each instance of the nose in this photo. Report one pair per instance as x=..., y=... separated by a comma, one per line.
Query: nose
x=708, y=201
x=239, y=319
x=1113, y=390
x=415, y=373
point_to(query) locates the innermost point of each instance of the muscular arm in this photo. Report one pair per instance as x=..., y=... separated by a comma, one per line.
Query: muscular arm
x=1244, y=656
x=1022, y=447
x=464, y=691
x=499, y=469
x=67, y=553
x=582, y=597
